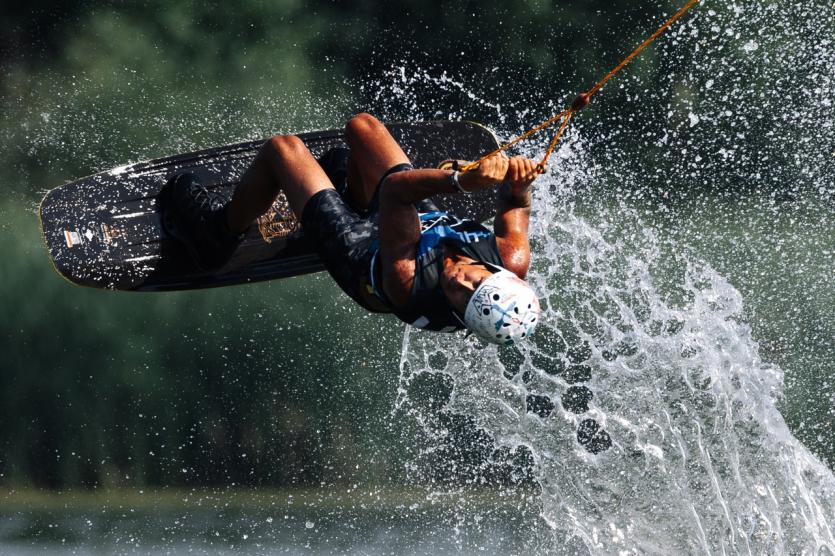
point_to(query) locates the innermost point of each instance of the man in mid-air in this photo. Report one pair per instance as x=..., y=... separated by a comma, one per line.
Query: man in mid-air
x=381, y=238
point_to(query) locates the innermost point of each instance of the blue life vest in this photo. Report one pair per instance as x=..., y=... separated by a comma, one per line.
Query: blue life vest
x=428, y=306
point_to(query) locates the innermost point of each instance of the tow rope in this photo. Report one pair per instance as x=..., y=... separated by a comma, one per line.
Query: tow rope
x=581, y=101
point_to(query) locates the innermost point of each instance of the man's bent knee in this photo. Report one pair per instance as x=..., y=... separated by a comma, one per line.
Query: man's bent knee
x=284, y=146
x=360, y=124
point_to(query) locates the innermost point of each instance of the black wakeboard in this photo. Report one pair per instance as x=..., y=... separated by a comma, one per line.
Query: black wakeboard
x=104, y=231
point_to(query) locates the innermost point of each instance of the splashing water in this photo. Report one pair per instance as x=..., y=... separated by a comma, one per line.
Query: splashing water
x=700, y=458
x=643, y=404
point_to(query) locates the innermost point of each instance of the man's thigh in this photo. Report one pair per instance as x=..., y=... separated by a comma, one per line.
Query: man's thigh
x=373, y=152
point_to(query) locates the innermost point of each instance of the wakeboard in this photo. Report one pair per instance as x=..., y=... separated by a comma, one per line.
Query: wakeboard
x=105, y=230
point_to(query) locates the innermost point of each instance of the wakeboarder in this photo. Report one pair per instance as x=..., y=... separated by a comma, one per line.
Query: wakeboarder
x=377, y=231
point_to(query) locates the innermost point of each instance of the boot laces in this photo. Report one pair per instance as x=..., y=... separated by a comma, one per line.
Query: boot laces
x=205, y=200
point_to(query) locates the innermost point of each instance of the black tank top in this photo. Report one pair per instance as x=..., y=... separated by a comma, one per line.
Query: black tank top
x=428, y=306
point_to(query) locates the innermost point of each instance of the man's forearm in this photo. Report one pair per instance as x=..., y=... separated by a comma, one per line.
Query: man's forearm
x=513, y=212
x=521, y=198
x=416, y=185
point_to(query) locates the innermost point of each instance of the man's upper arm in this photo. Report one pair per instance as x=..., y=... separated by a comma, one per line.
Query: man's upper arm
x=399, y=235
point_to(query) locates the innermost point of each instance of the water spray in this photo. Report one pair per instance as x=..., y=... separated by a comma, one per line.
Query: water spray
x=582, y=100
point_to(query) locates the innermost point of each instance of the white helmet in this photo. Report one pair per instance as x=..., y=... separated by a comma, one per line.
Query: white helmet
x=503, y=309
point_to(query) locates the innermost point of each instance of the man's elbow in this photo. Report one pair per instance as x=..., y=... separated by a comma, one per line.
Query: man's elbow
x=518, y=264
x=515, y=252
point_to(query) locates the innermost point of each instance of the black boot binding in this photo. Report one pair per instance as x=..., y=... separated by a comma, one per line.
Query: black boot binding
x=196, y=217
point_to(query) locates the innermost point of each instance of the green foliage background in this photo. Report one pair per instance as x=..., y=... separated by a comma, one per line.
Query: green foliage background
x=283, y=383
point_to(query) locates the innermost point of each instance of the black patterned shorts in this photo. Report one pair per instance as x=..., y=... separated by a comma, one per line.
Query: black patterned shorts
x=346, y=241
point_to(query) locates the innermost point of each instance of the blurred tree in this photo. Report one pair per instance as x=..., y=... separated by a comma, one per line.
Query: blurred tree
x=219, y=386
